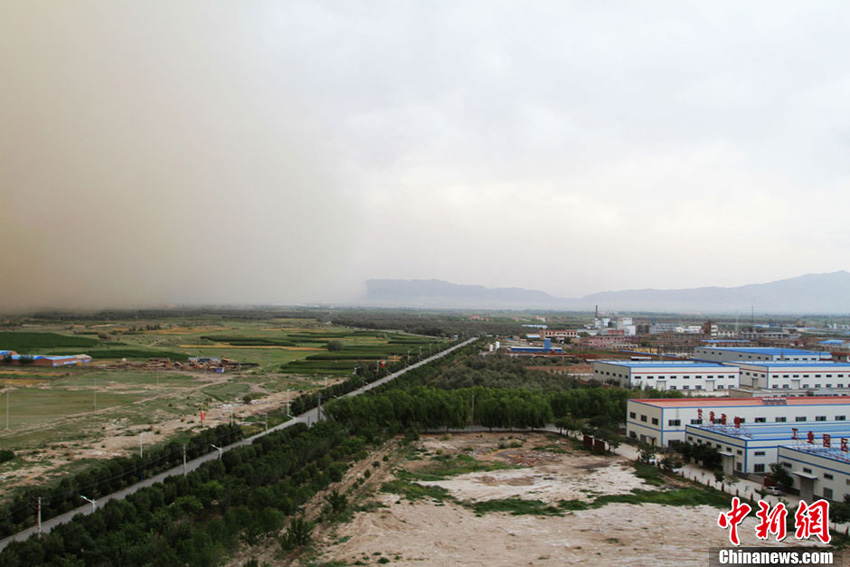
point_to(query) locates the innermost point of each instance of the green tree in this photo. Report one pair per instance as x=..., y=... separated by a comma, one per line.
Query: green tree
x=780, y=474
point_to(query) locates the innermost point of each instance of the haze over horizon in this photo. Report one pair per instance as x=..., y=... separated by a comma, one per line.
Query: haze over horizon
x=237, y=153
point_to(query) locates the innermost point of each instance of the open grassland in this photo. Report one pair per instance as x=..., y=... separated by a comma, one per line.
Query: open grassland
x=61, y=419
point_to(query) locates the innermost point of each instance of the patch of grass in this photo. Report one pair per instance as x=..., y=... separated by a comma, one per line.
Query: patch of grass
x=690, y=496
x=517, y=507
x=413, y=491
x=443, y=467
x=650, y=474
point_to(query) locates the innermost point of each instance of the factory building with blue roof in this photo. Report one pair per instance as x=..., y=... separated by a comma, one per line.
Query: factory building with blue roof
x=683, y=375
x=766, y=354
x=748, y=448
x=818, y=471
x=813, y=376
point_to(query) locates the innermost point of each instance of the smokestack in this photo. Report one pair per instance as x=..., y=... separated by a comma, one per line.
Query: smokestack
x=597, y=312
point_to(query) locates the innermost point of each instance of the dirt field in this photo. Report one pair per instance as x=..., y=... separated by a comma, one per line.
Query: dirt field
x=447, y=532
x=105, y=434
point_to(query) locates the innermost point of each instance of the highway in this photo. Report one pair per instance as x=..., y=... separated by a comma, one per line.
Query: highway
x=308, y=418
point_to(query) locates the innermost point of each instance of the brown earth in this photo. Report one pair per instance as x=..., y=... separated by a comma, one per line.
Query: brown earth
x=444, y=533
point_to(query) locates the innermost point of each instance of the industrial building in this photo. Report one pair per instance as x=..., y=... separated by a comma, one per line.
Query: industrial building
x=744, y=354
x=667, y=375
x=547, y=348
x=11, y=357
x=559, y=334
x=794, y=375
x=750, y=448
x=818, y=471
x=662, y=421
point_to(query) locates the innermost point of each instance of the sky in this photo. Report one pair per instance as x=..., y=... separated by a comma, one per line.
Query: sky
x=212, y=152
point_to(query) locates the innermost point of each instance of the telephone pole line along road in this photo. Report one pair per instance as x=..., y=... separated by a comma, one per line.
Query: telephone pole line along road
x=308, y=418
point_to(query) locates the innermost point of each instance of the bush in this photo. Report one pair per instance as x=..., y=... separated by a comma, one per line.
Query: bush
x=335, y=346
x=299, y=534
x=6, y=455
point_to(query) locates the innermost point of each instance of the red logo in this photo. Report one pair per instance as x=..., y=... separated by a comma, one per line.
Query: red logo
x=809, y=520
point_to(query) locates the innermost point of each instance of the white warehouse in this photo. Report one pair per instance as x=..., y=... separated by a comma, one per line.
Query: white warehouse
x=751, y=448
x=667, y=375
x=794, y=375
x=662, y=421
x=818, y=471
x=744, y=354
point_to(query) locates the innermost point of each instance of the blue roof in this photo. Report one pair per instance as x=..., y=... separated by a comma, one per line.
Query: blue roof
x=779, y=431
x=663, y=363
x=725, y=341
x=789, y=364
x=834, y=453
x=832, y=342
x=772, y=351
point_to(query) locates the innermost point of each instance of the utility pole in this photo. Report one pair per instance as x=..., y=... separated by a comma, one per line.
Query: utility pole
x=184, y=460
x=141, y=449
x=39, y=516
x=231, y=415
x=266, y=416
x=288, y=414
x=95, y=393
x=7, y=409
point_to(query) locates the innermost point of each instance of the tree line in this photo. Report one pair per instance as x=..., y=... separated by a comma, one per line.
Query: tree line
x=107, y=477
x=198, y=519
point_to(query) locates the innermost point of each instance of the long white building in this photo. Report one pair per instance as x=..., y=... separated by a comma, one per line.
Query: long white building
x=752, y=447
x=818, y=471
x=662, y=421
x=745, y=354
x=667, y=375
x=794, y=375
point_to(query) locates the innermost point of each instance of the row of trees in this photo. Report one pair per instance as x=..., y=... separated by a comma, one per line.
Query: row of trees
x=195, y=520
x=426, y=407
x=107, y=477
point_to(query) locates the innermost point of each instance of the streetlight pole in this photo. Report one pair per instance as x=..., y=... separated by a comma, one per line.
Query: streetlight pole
x=141, y=448
x=90, y=501
x=220, y=451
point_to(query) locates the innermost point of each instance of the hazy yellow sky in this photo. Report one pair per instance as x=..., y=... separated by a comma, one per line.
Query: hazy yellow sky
x=280, y=152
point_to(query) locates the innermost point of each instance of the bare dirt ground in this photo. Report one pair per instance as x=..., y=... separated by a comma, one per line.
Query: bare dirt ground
x=444, y=533
x=115, y=437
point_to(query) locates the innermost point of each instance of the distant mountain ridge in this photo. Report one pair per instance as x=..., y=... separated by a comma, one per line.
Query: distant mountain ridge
x=812, y=293
x=437, y=293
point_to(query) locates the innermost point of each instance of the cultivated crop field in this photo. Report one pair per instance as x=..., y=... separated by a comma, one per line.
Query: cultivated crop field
x=59, y=419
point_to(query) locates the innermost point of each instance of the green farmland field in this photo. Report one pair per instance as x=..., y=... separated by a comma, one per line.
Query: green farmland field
x=30, y=342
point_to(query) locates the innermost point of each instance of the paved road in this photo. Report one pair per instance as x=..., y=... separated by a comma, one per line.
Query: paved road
x=308, y=418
